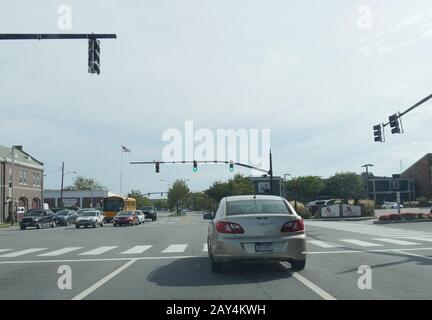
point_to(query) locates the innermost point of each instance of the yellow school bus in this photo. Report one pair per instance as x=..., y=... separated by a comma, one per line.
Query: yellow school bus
x=113, y=204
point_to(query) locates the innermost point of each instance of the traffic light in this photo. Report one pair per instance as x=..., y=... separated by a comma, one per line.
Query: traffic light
x=231, y=167
x=394, y=124
x=378, y=133
x=90, y=56
x=96, y=56
x=157, y=167
x=195, y=166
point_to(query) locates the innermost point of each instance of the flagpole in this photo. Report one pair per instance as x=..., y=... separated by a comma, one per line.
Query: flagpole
x=121, y=168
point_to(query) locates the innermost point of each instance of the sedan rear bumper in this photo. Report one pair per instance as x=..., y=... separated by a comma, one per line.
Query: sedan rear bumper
x=284, y=249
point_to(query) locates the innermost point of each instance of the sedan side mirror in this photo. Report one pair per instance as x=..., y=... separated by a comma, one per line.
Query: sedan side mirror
x=208, y=216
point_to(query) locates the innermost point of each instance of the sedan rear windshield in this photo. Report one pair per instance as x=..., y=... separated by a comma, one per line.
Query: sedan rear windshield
x=62, y=213
x=257, y=206
x=125, y=213
x=35, y=213
x=89, y=214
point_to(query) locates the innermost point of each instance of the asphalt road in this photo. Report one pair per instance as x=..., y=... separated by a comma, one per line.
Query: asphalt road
x=167, y=259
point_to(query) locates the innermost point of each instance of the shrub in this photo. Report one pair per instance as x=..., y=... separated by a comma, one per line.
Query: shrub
x=301, y=210
x=423, y=201
x=369, y=206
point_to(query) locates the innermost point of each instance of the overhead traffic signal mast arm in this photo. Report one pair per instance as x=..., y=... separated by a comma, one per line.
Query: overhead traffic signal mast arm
x=206, y=162
x=52, y=36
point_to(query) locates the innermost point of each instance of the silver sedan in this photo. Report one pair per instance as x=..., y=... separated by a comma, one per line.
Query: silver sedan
x=256, y=227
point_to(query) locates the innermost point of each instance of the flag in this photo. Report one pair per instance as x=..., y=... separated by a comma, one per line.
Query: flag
x=124, y=149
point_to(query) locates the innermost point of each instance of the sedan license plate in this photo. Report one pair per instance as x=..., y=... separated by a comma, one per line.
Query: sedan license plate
x=264, y=247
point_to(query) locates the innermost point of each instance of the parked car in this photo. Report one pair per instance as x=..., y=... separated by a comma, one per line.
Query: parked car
x=256, y=227
x=125, y=217
x=89, y=218
x=390, y=205
x=38, y=218
x=140, y=215
x=149, y=212
x=313, y=205
x=66, y=217
x=81, y=211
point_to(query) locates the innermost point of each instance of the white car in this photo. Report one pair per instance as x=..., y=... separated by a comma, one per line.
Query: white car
x=90, y=218
x=390, y=205
x=140, y=215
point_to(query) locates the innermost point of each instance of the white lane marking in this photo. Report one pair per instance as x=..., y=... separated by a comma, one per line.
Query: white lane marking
x=58, y=252
x=321, y=244
x=197, y=256
x=361, y=243
x=104, y=280
x=4, y=250
x=20, y=253
x=205, y=247
x=137, y=249
x=395, y=241
x=322, y=293
x=97, y=251
x=419, y=239
x=175, y=248
x=413, y=254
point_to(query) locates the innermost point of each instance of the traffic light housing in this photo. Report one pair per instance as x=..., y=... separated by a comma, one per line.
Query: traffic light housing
x=394, y=124
x=94, y=56
x=157, y=167
x=378, y=136
x=195, y=166
x=231, y=167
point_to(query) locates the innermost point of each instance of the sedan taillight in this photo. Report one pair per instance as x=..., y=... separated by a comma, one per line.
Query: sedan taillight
x=229, y=227
x=293, y=226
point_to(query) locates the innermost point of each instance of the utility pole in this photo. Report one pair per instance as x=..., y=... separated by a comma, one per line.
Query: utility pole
x=367, y=176
x=61, y=189
x=12, y=212
x=271, y=173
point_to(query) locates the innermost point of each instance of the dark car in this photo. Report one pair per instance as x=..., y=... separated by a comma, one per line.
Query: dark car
x=38, y=218
x=149, y=212
x=57, y=209
x=66, y=217
x=126, y=217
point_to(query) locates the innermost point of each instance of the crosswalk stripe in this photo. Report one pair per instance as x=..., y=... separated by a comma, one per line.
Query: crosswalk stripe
x=175, y=248
x=137, y=249
x=321, y=244
x=361, y=243
x=58, y=252
x=205, y=247
x=21, y=252
x=419, y=239
x=97, y=251
x=4, y=250
x=395, y=241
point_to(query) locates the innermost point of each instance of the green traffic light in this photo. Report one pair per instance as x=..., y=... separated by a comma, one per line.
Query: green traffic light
x=231, y=168
x=195, y=169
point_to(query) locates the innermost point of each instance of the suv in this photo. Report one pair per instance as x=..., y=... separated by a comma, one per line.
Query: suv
x=149, y=213
x=37, y=218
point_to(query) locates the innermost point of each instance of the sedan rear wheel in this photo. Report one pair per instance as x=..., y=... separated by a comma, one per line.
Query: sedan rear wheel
x=39, y=225
x=298, y=265
x=53, y=224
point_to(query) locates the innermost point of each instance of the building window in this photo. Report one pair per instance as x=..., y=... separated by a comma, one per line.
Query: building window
x=10, y=177
x=24, y=176
x=21, y=180
x=394, y=185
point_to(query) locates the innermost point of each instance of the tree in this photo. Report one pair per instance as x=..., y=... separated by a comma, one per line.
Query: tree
x=141, y=200
x=305, y=187
x=160, y=204
x=178, y=193
x=83, y=183
x=345, y=185
x=236, y=186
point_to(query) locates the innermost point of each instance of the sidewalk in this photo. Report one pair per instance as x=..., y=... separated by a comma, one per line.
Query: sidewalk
x=343, y=219
x=7, y=226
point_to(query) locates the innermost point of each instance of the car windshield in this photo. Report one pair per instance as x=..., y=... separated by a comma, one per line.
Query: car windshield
x=125, y=213
x=62, y=213
x=89, y=214
x=147, y=208
x=34, y=213
x=256, y=206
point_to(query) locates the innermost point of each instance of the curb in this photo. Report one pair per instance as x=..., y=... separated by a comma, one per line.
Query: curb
x=342, y=219
x=402, y=221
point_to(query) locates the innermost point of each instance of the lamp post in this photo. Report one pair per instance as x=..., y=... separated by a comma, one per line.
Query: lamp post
x=367, y=176
x=62, y=179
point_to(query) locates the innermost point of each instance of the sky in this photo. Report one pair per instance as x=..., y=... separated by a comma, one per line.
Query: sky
x=317, y=74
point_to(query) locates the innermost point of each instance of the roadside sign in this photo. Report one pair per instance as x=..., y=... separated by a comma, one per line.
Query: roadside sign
x=330, y=211
x=398, y=199
x=351, y=211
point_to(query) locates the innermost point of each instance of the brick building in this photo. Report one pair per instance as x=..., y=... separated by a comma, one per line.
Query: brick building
x=421, y=171
x=27, y=173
